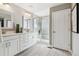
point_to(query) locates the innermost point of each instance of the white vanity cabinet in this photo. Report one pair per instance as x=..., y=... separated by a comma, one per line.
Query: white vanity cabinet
x=1, y=49
x=26, y=41
x=22, y=42
x=11, y=45
x=15, y=43
x=32, y=39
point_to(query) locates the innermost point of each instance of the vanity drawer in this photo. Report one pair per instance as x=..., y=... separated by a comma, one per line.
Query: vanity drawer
x=9, y=38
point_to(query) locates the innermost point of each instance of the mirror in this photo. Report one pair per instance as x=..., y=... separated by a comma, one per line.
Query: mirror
x=5, y=19
x=6, y=23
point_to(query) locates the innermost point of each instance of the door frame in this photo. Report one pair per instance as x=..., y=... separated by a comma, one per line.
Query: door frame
x=53, y=9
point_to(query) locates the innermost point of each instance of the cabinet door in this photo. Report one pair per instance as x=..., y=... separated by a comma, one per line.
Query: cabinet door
x=13, y=47
x=21, y=42
x=1, y=50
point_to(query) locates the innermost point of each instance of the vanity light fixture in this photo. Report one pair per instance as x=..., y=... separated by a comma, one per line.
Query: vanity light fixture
x=5, y=3
x=27, y=14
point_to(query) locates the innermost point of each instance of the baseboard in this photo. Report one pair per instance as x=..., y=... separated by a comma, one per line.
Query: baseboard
x=63, y=49
x=50, y=46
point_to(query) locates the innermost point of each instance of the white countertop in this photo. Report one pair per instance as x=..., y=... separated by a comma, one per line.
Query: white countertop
x=11, y=34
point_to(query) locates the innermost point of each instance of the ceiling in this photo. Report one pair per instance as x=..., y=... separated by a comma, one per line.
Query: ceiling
x=40, y=9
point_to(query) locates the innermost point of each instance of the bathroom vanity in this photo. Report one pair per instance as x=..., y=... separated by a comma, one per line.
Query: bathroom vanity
x=12, y=44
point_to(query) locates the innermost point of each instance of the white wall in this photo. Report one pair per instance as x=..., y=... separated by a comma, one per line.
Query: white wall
x=75, y=45
x=75, y=36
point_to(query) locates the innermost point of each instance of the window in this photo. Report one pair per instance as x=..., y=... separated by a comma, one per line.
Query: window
x=28, y=24
x=25, y=26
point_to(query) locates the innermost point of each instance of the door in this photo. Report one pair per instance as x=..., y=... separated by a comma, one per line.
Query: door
x=61, y=29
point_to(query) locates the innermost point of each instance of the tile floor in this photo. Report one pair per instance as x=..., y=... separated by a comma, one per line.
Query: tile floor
x=41, y=49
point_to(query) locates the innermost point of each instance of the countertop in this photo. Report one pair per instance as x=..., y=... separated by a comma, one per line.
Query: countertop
x=11, y=34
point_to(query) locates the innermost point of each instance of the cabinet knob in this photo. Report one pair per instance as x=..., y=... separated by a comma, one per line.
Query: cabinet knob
x=6, y=44
x=54, y=31
x=9, y=44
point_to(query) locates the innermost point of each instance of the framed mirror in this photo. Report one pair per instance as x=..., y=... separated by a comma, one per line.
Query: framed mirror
x=5, y=19
x=6, y=23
